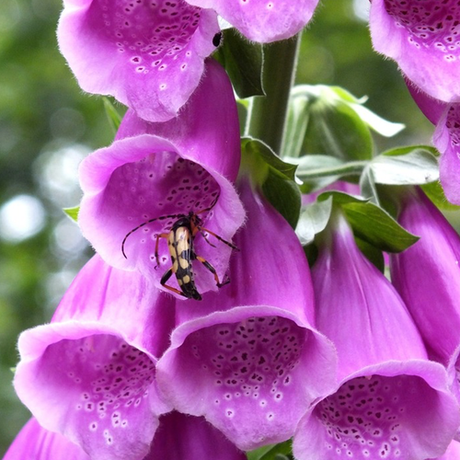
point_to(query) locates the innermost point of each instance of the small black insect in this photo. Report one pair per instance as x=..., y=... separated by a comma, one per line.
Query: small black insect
x=217, y=39
x=180, y=244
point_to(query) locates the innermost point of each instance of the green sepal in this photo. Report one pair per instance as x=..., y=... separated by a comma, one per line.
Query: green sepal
x=413, y=165
x=370, y=223
x=113, y=116
x=336, y=130
x=273, y=452
x=313, y=220
x=72, y=212
x=273, y=176
x=243, y=62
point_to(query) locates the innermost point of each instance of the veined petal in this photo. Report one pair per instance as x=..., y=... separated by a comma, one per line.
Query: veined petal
x=90, y=374
x=391, y=402
x=422, y=38
x=148, y=55
x=430, y=107
x=352, y=295
x=35, y=443
x=181, y=437
x=263, y=20
x=427, y=274
x=207, y=129
x=247, y=358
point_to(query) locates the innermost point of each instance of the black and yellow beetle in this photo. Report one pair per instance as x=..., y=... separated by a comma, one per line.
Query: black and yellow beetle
x=180, y=244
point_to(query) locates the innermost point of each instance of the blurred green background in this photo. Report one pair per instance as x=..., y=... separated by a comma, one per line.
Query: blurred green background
x=47, y=125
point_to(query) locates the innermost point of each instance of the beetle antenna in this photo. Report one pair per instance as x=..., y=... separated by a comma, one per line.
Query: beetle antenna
x=169, y=216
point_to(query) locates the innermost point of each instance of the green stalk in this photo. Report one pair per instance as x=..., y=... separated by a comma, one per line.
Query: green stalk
x=267, y=114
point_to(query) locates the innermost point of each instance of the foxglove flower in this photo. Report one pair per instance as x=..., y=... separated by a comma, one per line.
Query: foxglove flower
x=247, y=358
x=391, y=402
x=423, y=38
x=178, y=437
x=427, y=276
x=90, y=374
x=149, y=55
x=263, y=21
x=136, y=189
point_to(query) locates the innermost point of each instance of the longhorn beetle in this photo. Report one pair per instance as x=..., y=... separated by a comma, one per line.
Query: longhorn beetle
x=180, y=244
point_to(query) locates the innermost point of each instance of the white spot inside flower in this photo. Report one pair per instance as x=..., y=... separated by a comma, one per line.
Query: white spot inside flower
x=163, y=86
x=93, y=426
x=229, y=413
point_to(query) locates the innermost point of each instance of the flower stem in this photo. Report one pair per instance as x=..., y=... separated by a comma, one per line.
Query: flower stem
x=267, y=114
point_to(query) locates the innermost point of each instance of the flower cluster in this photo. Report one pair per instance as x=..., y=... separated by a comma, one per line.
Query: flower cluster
x=197, y=329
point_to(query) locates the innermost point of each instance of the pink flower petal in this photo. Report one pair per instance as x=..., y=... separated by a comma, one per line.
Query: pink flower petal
x=148, y=55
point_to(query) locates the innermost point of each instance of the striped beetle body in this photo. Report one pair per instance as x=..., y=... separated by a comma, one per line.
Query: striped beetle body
x=180, y=244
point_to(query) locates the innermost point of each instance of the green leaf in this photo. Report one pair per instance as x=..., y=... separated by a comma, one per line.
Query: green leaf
x=405, y=166
x=272, y=452
x=313, y=220
x=72, y=212
x=368, y=186
x=374, y=255
x=284, y=195
x=318, y=171
x=275, y=178
x=112, y=114
x=371, y=223
x=258, y=149
x=243, y=62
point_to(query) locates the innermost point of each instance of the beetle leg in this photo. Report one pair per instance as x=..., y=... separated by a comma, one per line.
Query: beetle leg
x=206, y=239
x=165, y=278
x=213, y=271
x=161, y=235
x=203, y=229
